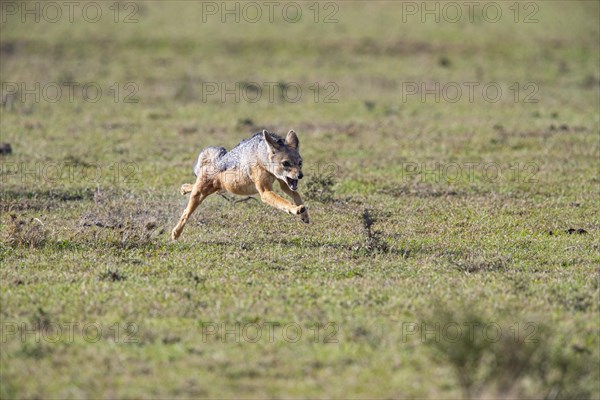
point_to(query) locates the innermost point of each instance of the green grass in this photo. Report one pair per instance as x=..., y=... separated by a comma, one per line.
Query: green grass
x=394, y=259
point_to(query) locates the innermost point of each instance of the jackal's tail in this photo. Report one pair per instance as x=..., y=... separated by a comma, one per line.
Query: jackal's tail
x=207, y=157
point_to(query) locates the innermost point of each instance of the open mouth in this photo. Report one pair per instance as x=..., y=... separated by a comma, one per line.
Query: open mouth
x=292, y=183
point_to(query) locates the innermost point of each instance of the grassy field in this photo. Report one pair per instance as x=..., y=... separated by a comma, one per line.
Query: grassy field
x=451, y=173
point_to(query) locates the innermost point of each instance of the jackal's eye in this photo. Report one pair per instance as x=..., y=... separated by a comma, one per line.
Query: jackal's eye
x=300, y=163
x=287, y=164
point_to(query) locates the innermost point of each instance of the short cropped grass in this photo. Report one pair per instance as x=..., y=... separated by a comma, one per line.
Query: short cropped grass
x=454, y=246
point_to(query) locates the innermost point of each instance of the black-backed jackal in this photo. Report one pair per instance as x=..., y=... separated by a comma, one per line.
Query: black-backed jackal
x=249, y=168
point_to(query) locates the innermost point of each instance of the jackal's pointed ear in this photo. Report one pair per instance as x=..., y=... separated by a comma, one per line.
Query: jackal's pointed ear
x=292, y=140
x=270, y=142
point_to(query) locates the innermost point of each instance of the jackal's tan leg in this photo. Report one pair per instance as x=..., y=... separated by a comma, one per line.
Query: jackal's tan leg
x=267, y=195
x=273, y=199
x=186, y=188
x=297, y=200
x=197, y=196
x=263, y=182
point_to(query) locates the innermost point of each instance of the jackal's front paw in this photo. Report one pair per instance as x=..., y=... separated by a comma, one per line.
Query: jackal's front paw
x=299, y=210
x=304, y=216
x=175, y=234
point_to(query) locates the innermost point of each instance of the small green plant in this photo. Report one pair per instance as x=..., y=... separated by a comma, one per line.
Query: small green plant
x=373, y=240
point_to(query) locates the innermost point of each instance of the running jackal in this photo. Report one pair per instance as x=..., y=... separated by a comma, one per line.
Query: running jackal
x=249, y=168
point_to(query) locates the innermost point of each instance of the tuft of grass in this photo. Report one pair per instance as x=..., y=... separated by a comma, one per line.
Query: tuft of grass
x=482, y=263
x=491, y=357
x=373, y=242
x=112, y=275
x=29, y=233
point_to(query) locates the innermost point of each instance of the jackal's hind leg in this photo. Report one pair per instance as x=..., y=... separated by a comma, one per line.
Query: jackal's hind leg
x=186, y=188
x=198, y=194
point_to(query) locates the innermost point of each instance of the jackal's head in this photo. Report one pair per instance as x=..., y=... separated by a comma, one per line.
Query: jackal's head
x=284, y=158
